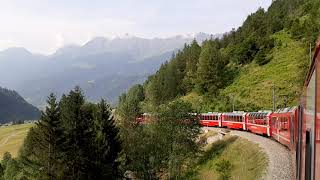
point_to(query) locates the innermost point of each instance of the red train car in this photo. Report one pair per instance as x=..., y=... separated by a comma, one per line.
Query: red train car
x=144, y=118
x=284, y=126
x=259, y=122
x=210, y=119
x=234, y=120
x=308, y=149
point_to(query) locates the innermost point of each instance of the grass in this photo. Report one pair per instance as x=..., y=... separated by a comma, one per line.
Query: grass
x=285, y=71
x=12, y=137
x=210, y=134
x=252, y=88
x=230, y=158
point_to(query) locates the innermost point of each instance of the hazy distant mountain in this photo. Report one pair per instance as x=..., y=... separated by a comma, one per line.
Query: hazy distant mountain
x=102, y=67
x=14, y=108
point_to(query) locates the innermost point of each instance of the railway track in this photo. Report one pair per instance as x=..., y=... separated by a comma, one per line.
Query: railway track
x=280, y=159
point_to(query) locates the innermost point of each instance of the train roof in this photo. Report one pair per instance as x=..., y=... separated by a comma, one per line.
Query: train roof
x=286, y=110
x=234, y=113
x=260, y=113
x=210, y=113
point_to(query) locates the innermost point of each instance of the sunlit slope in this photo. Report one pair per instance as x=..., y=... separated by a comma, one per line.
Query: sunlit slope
x=286, y=71
x=232, y=157
x=11, y=138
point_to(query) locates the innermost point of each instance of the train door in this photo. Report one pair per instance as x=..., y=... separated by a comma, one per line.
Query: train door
x=274, y=128
x=308, y=147
x=292, y=133
x=299, y=144
x=308, y=156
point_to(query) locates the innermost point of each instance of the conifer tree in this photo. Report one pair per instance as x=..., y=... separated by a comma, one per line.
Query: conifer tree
x=210, y=72
x=107, y=143
x=42, y=147
x=52, y=135
x=77, y=125
x=192, y=55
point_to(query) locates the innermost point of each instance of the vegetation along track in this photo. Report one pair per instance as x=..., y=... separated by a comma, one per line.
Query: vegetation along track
x=280, y=165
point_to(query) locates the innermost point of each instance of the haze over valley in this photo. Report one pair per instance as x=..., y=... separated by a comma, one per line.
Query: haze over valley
x=102, y=67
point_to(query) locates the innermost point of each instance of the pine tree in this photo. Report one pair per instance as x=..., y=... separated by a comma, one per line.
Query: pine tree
x=42, y=147
x=192, y=55
x=52, y=135
x=77, y=125
x=107, y=143
x=210, y=72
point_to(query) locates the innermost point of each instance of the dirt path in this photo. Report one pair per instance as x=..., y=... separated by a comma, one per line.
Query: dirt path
x=280, y=166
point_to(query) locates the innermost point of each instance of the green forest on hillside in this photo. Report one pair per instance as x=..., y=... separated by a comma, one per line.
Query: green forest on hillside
x=270, y=49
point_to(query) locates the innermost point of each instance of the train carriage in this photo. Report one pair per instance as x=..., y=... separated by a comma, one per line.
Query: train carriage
x=210, y=119
x=259, y=122
x=308, y=149
x=234, y=120
x=284, y=124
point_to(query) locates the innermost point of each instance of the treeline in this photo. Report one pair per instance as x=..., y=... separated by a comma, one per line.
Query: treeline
x=209, y=68
x=74, y=139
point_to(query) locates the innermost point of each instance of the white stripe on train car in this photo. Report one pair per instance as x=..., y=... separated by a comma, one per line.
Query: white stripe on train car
x=282, y=137
x=257, y=125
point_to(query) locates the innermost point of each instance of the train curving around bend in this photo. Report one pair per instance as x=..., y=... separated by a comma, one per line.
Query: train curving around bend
x=297, y=128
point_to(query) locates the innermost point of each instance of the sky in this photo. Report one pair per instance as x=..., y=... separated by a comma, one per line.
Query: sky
x=43, y=26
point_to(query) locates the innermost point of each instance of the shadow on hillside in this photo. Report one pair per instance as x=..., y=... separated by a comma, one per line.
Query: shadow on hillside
x=212, y=153
x=216, y=149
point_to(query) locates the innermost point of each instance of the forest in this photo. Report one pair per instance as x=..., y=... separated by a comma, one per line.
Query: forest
x=212, y=75
x=76, y=139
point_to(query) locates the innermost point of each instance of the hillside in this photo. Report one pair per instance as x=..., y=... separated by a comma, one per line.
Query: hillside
x=286, y=71
x=14, y=108
x=270, y=50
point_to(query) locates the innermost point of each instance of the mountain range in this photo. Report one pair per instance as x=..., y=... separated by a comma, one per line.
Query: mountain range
x=103, y=68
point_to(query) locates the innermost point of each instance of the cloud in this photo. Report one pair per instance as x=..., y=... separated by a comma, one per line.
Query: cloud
x=59, y=41
x=42, y=26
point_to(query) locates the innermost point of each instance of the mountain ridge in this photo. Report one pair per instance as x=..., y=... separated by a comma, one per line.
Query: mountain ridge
x=14, y=108
x=100, y=58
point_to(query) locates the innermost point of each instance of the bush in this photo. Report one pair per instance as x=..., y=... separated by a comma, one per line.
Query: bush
x=224, y=167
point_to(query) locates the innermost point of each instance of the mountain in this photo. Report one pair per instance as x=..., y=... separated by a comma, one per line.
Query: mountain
x=103, y=67
x=14, y=108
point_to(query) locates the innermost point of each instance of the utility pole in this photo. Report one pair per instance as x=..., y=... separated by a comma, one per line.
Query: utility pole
x=274, y=98
x=233, y=104
x=310, y=52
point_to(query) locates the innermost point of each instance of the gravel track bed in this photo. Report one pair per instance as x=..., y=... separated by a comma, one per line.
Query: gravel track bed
x=281, y=164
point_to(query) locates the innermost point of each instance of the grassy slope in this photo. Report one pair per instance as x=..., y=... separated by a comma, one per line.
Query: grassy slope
x=246, y=158
x=286, y=71
x=11, y=138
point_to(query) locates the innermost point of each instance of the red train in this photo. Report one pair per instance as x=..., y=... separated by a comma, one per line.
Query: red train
x=298, y=128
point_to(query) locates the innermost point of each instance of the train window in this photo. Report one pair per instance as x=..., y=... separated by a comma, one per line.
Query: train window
x=273, y=121
x=308, y=156
x=291, y=130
